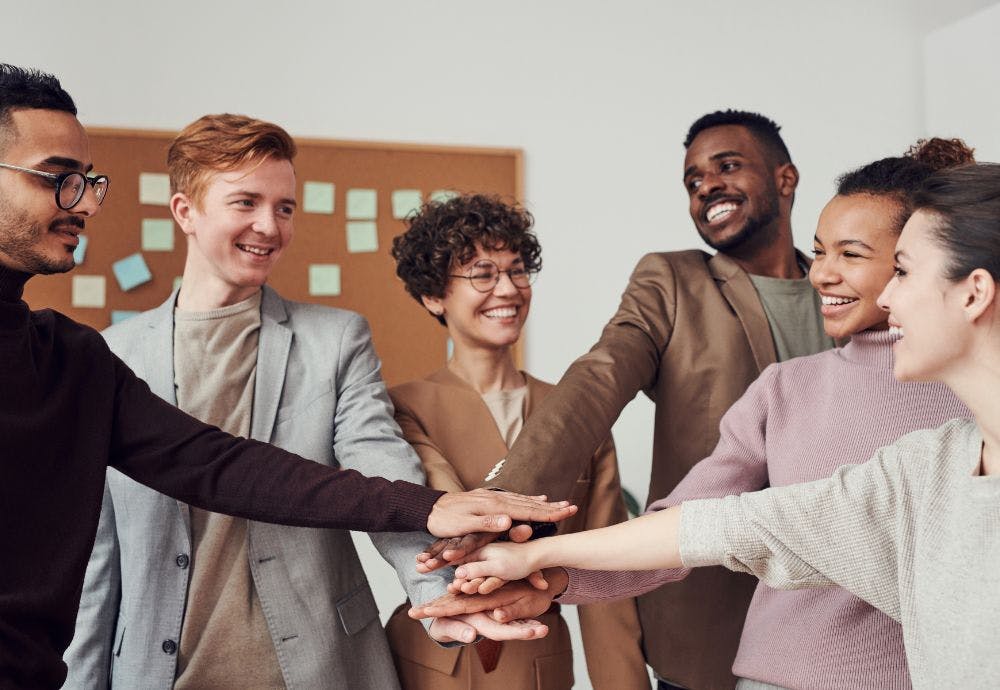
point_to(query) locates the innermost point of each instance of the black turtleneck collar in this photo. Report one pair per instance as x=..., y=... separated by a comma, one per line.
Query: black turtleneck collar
x=12, y=284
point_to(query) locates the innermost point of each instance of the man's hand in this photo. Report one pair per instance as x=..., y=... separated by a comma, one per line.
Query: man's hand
x=465, y=627
x=516, y=600
x=481, y=510
x=444, y=552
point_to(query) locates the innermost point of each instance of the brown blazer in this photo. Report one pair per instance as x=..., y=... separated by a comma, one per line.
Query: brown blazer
x=457, y=440
x=692, y=335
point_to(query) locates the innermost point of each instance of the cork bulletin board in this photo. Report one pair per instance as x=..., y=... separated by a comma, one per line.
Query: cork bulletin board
x=133, y=255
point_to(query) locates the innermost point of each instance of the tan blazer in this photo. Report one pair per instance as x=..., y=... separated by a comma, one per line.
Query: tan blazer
x=692, y=335
x=458, y=442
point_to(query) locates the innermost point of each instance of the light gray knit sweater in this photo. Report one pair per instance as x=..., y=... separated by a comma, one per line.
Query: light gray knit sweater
x=914, y=532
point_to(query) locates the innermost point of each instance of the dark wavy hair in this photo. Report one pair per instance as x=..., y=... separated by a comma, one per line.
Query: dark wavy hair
x=764, y=130
x=899, y=177
x=444, y=234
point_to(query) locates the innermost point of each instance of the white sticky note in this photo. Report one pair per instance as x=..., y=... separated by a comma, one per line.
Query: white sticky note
x=362, y=204
x=157, y=235
x=324, y=279
x=317, y=197
x=362, y=236
x=80, y=253
x=89, y=291
x=405, y=202
x=443, y=195
x=154, y=189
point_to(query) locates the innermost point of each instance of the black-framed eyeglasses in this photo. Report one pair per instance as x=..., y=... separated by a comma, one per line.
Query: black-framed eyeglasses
x=485, y=275
x=70, y=186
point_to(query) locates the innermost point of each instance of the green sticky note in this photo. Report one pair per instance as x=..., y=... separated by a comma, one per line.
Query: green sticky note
x=362, y=236
x=317, y=197
x=177, y=283
x=362, y=204
x=89, y=291
x=324, y=280
x=405, y=202
x=119, y=315
x=157, y=235
x=443, y=195
x=154, y=189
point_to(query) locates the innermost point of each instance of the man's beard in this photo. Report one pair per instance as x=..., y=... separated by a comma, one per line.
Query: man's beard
x=758, y=232
x=19, y=240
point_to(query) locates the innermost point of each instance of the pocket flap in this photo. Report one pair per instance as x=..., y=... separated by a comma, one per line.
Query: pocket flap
x=357, y=610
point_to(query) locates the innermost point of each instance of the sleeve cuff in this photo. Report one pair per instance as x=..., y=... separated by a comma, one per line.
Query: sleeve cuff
x=701, y=537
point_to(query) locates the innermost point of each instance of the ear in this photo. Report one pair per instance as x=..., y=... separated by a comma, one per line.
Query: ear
x=183, y=208
x=433, y=304
x=786, y=178
x=980, y=291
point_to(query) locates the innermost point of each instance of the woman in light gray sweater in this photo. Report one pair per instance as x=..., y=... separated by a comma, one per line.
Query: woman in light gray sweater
x=916, y=531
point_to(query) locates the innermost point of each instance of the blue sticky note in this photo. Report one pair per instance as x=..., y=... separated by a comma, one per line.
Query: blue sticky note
x=131, y=271
x=80, y=253
x=119, y=315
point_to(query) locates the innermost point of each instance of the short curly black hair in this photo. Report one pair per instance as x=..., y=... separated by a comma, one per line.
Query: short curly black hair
x=765, y=130
x=443, y=234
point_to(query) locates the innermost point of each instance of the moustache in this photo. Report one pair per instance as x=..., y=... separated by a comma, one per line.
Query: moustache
x=68, y=220
x=716, y=197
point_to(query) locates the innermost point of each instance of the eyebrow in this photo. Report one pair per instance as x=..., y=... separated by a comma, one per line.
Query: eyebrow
x=68, y=163
x=714, y=157
x=256, y=195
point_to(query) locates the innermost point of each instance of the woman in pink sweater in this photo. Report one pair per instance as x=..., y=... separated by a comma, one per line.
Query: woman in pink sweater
x=804, y=418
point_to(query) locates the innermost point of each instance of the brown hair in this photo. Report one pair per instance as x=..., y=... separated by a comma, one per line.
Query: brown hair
x=218, y=143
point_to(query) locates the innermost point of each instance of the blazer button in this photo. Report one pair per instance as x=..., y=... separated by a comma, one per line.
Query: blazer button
x=169, y=646
x=182, y=560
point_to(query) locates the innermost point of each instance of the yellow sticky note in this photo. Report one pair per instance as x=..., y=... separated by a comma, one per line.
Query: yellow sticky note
x=443, y=195
x=317, y=197
x=362, y=236
x=362, y=204
x=154, y=189
x=89, y=291
x=157, y=235
x=324, y=280
x=405, y=202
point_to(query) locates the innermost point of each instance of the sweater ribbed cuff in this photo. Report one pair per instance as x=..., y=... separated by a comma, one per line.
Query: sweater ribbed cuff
x=701, y=535
x=411, y=505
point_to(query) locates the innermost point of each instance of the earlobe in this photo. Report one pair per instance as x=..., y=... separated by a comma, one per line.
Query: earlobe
x=787, y=179
x=433, y=305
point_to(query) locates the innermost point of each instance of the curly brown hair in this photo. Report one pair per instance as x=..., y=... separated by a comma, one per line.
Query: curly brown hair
x=443, y=234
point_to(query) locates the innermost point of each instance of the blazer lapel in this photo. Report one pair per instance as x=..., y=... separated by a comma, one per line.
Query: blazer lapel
x=468, y=403
x=736, y=287
x=159, y=363
x=272, y=359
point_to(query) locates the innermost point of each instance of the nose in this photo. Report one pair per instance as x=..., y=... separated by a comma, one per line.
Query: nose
x=883, y=299
x=504, y=286
x=710, y=182
x=823, y=272
x=265, y=223
x=88, y=206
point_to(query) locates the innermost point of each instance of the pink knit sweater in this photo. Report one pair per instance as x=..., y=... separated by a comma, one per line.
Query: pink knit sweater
x=800, y=421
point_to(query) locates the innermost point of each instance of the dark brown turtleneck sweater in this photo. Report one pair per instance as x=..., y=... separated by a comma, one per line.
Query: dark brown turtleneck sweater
x=68, y=409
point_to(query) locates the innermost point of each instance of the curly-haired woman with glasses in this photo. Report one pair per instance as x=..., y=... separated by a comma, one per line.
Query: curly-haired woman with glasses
x=470, y=262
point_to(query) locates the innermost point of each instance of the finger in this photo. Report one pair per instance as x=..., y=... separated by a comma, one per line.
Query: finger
x=470, y=571
x=515, y=630
x=490, y=585
x=519, y=533
x=460, y=548
x=451, y=629
x=537, y=580
x=493, y=523
x=542, y=512
x=472, y=586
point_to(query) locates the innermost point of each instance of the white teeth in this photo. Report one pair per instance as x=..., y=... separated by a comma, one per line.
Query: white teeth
x=259, y=251
x=719, y=210
x=828, y=300
x=895, y=331
x=500, y=313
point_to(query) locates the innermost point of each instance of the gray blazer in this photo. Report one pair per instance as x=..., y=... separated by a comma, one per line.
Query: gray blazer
x=319, y=393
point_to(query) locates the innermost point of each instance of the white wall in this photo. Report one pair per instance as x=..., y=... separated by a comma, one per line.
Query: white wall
x=598, y=94
x=962, y=98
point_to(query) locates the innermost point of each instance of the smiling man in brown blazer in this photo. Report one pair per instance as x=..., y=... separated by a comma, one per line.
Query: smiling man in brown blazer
x=693, y=331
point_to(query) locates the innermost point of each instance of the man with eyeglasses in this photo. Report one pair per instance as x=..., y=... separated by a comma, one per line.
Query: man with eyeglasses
x=69, y=409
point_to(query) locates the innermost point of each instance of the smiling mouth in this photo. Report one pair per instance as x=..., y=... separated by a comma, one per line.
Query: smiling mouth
x=501, y=313
x=896, y=331
x=830, y=300
x=256, y=251
x=720, y=211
